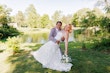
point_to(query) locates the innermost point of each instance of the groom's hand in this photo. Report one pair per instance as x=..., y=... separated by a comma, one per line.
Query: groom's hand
x=62, y=38
x=57, y=42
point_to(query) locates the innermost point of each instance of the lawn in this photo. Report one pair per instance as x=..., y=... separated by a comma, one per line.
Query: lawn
x=84, y=61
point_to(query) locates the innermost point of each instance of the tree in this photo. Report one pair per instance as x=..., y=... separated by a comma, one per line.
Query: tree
x=105, y=24
x=56, y=16
x=4, y=14
x=20, y=18
x=66, y=19
x=77, y=17
x=32, y=16
x=13, y=19
x=98, y=12
x=89, y=19
x=86, y=17
x=44, y=20
x=105, y=4
x=6, y=30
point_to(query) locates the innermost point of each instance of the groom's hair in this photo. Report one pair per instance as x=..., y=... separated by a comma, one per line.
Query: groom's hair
x=59, y=22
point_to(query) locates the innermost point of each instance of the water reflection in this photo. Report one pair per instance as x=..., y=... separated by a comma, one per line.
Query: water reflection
x=29, y=39
x=40, y=37
x=35, y=38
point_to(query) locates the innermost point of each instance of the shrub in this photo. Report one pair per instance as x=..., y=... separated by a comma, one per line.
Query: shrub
x=102, y=45
x=8, y=31
x=1, y=35
x=14, y=44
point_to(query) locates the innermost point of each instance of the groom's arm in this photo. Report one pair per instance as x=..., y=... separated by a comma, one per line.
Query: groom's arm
x=51, y=36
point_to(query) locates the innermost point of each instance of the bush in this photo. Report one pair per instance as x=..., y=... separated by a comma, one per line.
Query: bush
x=103, y=45
x=14, y=44
x=78, y=32
x=8, y=31
x=1, y=35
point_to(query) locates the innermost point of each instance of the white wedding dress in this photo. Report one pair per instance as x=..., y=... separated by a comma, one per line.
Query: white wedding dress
x=49, y=55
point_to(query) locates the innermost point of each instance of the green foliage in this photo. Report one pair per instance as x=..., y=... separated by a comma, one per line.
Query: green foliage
x=105, y=23
x=107, y=9
x=32, y=18
x=44, y=20
x=56, y=16
x=77, y=17
x=92, y=18
x=4, y=14
x=105, y=4
x=14, y=44
x=3, y=19
x=20, y=19
x=87, y=18
x=75, y=20
x=1, y=35
x=78, y=32
x=67, y=19
x=7, y=31
x=102, y=45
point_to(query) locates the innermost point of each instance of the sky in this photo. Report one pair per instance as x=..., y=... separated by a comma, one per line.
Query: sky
x=49, y=6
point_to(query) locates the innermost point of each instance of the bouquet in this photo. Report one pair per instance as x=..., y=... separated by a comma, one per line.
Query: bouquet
x=66, y=59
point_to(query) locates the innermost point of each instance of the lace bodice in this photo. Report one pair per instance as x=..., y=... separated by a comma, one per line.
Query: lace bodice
x=59, y=36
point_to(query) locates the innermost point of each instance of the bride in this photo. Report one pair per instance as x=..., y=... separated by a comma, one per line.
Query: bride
x=49, y=54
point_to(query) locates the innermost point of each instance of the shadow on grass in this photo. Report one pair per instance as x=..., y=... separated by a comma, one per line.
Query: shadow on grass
x=84, y=61
x=35, y=47
x=25, y=63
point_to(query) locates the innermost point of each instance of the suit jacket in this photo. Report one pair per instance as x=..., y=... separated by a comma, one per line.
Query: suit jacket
x=53, y=33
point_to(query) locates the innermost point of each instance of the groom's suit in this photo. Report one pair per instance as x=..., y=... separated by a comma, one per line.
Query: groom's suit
x=52, y=35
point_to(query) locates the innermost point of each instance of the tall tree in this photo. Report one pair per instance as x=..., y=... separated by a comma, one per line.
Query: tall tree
x=87, y=17
x=32, y=16
x=77, y=17
x=4, y=14
x=20, y=18
x=105, y=3
x=66, y=19
x=56, y=16
x=44, y=20
x=98, y=12
x=13, y=19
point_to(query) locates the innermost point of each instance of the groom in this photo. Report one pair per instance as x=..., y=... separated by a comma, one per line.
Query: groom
x=54, y=31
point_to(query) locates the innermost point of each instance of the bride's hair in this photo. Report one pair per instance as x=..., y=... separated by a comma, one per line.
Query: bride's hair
x=70, y=25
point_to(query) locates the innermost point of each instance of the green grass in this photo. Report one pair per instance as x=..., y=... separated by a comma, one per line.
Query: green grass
x=84, y=61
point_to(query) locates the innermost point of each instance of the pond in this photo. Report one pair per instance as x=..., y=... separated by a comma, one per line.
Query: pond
x=41, y=37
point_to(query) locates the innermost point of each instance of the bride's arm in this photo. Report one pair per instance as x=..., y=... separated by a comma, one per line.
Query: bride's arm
x=66, y=43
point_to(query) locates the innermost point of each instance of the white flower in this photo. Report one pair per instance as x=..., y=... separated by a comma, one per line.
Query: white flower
x=66, y=59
